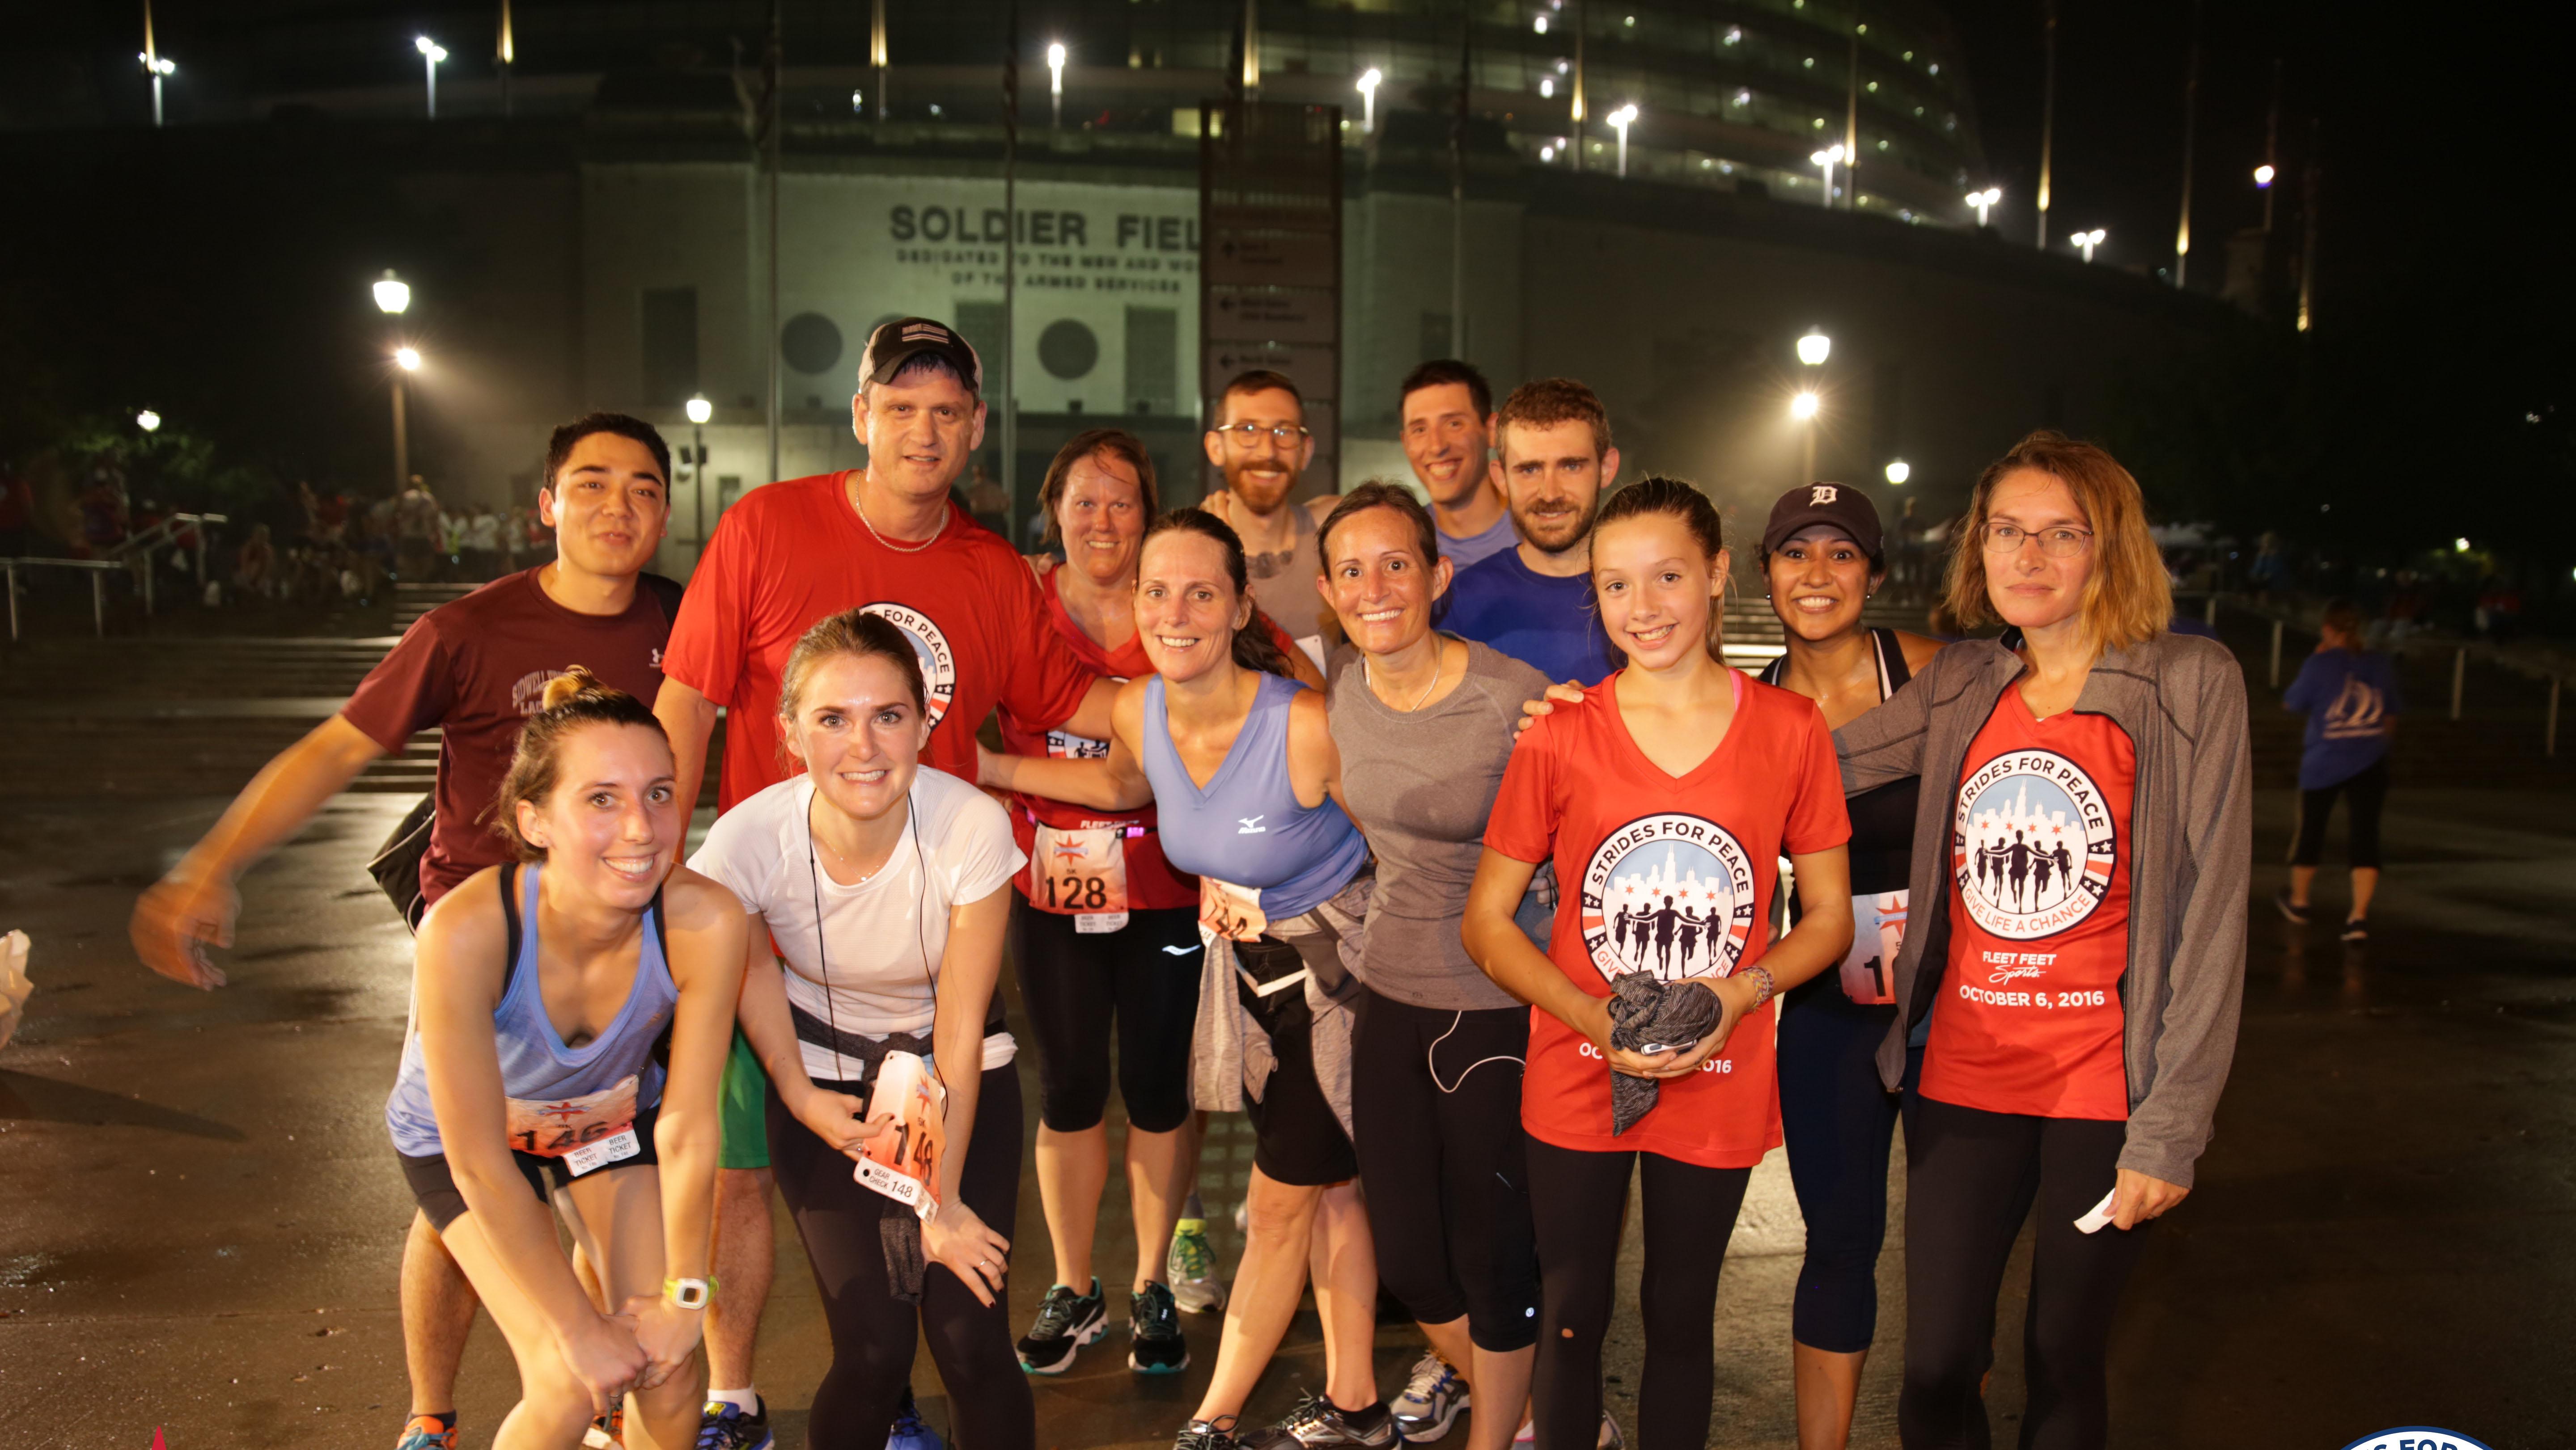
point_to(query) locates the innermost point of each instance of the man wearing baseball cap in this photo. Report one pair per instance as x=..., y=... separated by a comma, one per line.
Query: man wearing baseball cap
x=888, y=539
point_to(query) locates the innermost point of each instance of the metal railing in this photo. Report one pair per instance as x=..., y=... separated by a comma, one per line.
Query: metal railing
x=132, y=555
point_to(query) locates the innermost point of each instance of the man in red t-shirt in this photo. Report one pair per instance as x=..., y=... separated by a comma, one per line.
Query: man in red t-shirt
x=474, y=669
x=888, y=539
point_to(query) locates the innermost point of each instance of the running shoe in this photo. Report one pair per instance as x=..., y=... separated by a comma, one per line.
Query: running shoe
x=724, y=1425
x=424, y=1432
x=1191, y=1268
x=1610, y=1438
x=607, y=1432
x=2356, y=930
x=1154, y=1342
x=1317, y=1421
x=2297, y=914
x=1216, y=1434
x=910, y=1431
x=1066, y=1322
x=1431, y=1400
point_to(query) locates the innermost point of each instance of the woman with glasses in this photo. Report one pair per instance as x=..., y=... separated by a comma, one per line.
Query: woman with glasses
x=2081, y=951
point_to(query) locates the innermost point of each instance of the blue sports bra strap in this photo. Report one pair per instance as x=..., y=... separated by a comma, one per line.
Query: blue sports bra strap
x=510, y=917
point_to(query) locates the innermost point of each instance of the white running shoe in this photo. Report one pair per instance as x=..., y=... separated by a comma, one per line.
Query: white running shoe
x=1191, y=1269
x=1432, y=1400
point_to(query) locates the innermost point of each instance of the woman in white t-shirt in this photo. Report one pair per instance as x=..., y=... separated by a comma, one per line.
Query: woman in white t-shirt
x=885, y=886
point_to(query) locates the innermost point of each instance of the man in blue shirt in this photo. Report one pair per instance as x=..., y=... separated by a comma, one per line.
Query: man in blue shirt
x=2349, y=695
x=1534, y=601
x=1447, y=409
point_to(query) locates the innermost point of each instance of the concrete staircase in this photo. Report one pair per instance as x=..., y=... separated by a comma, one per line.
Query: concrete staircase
x=411, y=601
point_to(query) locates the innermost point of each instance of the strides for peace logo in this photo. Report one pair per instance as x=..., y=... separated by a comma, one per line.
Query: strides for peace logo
x=2032, y=847
x=1671, y=895
x=938, y=661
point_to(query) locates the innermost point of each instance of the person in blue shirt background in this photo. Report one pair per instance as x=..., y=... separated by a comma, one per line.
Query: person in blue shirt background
x=2349, y=695
x=1534, y=601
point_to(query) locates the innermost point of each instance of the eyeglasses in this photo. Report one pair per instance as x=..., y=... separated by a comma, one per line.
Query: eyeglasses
x=2058, y=543
x=1244, y=435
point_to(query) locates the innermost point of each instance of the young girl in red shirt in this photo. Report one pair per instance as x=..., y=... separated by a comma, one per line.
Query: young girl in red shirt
x=1665, y=799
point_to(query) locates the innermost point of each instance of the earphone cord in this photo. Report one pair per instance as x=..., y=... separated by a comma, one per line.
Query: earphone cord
x=814, y=873
x=1451, y=1088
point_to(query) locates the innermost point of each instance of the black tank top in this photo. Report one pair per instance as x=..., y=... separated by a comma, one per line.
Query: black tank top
x=1882, y=819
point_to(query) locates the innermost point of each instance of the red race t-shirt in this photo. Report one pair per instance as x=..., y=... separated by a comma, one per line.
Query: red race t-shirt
x=476, y=669
x=1668, y=875
x=793, y=552
x=1152, y=884
x=2029, y=1018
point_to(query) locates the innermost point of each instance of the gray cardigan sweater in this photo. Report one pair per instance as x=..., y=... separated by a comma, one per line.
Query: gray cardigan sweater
x=2182, y=701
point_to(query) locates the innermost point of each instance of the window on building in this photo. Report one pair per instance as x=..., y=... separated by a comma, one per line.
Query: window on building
x=670, y=345
x=1154, y=359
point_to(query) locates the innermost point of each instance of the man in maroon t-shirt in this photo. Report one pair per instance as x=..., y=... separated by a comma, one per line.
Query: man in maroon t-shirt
x=475, y=669
x=888, y=539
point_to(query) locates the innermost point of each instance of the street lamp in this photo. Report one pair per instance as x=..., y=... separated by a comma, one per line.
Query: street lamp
x=1055, y=81
x=1983, y=201
x=1804, y=408
x=431, y=53
x=148, y=421
x=393, y=298
x=1829, y=158
x=700, y=410
x=2263, y=175
x=1368, y=99
x=2089, y=240
x=1814, y=348
x=1899, y=471
x=157, y=68
x=1620, y=120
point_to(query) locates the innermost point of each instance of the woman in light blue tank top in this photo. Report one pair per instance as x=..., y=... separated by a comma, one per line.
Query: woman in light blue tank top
x=543, y=992
x=1239, y=762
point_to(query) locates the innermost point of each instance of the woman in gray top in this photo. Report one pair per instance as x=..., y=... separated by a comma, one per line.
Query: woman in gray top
x=1424, y=722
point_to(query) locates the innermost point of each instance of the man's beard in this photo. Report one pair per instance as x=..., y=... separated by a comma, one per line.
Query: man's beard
x=1555, y=534
x=1261, y=492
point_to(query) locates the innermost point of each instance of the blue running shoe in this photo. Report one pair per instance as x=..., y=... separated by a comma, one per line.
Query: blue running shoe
x=427, y=1432
x=725, y=1425
x=910, y=1431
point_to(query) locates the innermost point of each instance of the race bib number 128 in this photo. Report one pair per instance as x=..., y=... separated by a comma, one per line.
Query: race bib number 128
x=1081, y=874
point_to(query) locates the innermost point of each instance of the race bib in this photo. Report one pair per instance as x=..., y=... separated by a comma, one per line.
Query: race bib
x=1228, y=910
x=1878, y=929
x=903, y=1164
x=1081, y=874
x=586, y=1132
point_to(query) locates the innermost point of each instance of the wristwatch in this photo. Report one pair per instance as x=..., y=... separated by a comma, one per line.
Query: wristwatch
x=688, y=1293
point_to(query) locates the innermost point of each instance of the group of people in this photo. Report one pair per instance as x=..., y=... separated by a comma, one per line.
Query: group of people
x=1441, y=842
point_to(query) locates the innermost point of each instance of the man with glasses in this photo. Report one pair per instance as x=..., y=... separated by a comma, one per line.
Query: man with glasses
x=1260, y=442
x=1447, y=410
x=1534, y=602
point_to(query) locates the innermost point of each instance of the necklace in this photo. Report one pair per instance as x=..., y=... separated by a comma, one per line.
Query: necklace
x=1426, y=689
x=888, y=543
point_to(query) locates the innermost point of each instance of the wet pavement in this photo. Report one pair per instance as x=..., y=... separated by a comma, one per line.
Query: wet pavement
x=200, y=1216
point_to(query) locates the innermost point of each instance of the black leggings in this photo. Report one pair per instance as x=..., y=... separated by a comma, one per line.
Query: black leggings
x=873, y=1333
x=1838, y=1119
x=2367, y=792
x=1448, y=1193
x=1578, y=1200
x=1073, y=983
x=1971, y=1178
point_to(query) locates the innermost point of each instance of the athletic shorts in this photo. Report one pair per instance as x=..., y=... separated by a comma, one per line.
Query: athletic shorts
x=1296, y=1138
x=742, y=1108
x=434, y=1188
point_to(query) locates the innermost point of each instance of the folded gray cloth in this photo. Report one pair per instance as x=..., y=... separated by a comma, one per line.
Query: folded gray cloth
x=1649, y=1014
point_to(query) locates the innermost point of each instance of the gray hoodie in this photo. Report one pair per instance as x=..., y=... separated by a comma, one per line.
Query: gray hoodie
x=2182, y=701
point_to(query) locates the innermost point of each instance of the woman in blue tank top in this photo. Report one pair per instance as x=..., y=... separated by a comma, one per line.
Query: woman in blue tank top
x=1239, y=762
x=543, y=988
